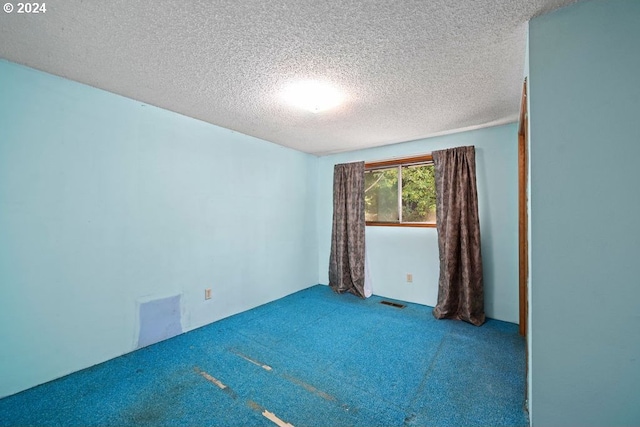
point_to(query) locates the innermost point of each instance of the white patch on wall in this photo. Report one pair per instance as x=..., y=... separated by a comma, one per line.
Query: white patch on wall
x=158, y=320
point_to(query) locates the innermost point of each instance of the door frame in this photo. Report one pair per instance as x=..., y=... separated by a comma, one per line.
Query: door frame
x=523, y=214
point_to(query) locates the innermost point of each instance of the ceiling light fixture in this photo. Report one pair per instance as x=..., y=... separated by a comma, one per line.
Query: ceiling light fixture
x=312, y=95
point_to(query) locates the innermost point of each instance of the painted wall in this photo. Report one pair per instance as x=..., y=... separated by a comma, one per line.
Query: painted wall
x=395, y=251
x=529, y=236
x=585, y=288
x=106, y=202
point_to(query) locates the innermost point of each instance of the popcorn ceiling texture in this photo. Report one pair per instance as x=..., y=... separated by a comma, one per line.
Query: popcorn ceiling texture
x=409, y=69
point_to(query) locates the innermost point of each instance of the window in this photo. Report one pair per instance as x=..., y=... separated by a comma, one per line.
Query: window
x=400, y=192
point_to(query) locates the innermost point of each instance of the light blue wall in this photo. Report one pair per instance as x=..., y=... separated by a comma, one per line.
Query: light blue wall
x=529, y=335
x=395, y=251
x=106, y=202
x=585, y=201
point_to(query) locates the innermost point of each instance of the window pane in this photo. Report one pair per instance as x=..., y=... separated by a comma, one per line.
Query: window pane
x=418, y=193
x=381, y=195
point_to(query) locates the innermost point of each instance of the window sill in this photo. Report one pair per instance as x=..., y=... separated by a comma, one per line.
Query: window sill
x=400, y=224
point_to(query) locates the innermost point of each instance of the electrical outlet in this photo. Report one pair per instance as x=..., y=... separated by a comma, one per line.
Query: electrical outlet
x=409, y=278
x=207, y=293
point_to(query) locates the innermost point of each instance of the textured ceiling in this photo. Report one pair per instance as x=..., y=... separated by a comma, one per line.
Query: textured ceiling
x=408, y=69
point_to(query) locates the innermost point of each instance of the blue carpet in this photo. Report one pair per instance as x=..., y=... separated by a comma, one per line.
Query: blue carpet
x=313, y=358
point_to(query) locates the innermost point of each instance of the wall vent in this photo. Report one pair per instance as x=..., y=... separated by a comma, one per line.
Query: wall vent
x=393, y=304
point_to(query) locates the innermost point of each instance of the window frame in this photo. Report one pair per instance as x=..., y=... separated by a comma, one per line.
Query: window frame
x=423, y=159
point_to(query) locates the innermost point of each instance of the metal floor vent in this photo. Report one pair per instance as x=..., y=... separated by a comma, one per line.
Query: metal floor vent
x=393, y=304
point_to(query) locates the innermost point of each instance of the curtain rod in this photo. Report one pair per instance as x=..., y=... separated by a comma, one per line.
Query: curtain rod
x=423, y=158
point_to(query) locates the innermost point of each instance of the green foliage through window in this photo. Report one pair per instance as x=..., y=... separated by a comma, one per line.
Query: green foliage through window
x=401, y=194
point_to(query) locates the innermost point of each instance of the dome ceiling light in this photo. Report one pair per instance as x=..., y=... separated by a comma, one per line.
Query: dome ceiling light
x=312, y=95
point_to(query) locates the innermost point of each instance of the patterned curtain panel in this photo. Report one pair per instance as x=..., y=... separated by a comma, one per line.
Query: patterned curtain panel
x=346, y=263
x=460, y=287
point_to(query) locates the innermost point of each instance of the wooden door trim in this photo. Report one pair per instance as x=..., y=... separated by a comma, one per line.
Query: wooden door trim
x=523, y=237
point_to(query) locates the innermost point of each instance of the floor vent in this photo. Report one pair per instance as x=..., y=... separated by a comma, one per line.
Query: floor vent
x=393, y=304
